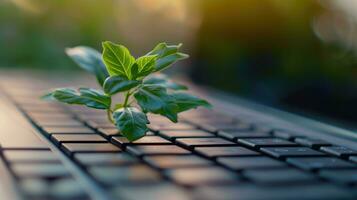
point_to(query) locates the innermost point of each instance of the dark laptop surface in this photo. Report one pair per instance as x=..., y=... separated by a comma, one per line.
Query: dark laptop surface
x=51, y=151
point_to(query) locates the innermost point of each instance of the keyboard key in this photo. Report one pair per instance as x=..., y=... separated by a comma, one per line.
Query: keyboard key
x=339, y=151
x=132, y=174
x=147, y=140
x=340, y=175
x=319, y=163
x=17, y=156
x=185, y=134
x=280, y=152
x=101, y=124
x=310, y=142
x=171, y=126
x=62, y=123
x=34, y=187
x=225, y=151
x=278, y=176
x=44, y=170
x=286, y=134
x=266, y=142
x=234, y=135
x=109, y=132
x=226, y=127
x=68, y=130
x=150, y=192
x=353, y=158
x=167, y=162
x=104, y=159
x=67, y=188
x=77, y=138
x=251, y=191
x=142, y=150
x=201, y=142
x=64, y=188
x=70, y=148
x=239, y=163
x=202, y=176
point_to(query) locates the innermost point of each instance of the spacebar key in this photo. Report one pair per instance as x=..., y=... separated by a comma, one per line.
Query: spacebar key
x=15, y=130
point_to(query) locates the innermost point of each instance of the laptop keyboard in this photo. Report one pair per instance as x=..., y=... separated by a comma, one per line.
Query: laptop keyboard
x=207, y=155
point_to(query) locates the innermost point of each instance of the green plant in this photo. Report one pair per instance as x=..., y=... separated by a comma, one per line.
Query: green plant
x=117, y=71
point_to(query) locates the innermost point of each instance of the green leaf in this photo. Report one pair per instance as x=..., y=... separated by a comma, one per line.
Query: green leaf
x=164, y=81
x=89, y=59
x=186, y=101
x=144, y=66
x=88, y=97
x=155, y=99
x=95, y=98
x=166, y=55
x=117, y=59
x=65, y=95
x=115, y=84
x=131, y=122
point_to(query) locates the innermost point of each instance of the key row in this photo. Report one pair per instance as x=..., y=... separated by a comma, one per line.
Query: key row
x=41, y=175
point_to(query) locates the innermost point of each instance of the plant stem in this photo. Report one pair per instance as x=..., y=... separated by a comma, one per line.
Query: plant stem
x=110, y=117
x=126, y=98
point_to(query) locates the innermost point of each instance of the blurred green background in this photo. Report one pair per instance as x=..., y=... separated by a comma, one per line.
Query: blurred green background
x=299, y=54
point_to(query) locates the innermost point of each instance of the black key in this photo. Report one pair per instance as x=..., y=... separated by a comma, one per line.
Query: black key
x=286, y=134
x=34, y=187
x=61, y=123
x=77, y=138
x=171, y=126
x=339, y=151
x=279, y=176
x=185, y=134
x=67, y=188
x=280, y=152
x=234, y=135
x=262, y=128
x=266, y=142
x=340, y=175
x=64, y=188
x=16, y=156
x=310, y=142
x=319, y=163
x=142, y=150
x=70, y=148
x=238, y=163
x=44, y=170
x=282, y=192
x=201, y=142
x=116, y=159
x=353, y=158
x=226, y=127
x=167, y=162
x=68, y=130
x=132, y=174
x=101, y=124
x=225, y=151
x=109, y=132
x=202, y=176
x=32, y=108
x=50, y=116
x=150, y=191
x=200, y=117
x=148, y=140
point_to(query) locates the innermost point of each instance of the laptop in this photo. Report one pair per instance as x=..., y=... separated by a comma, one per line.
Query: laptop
x=238, y=150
